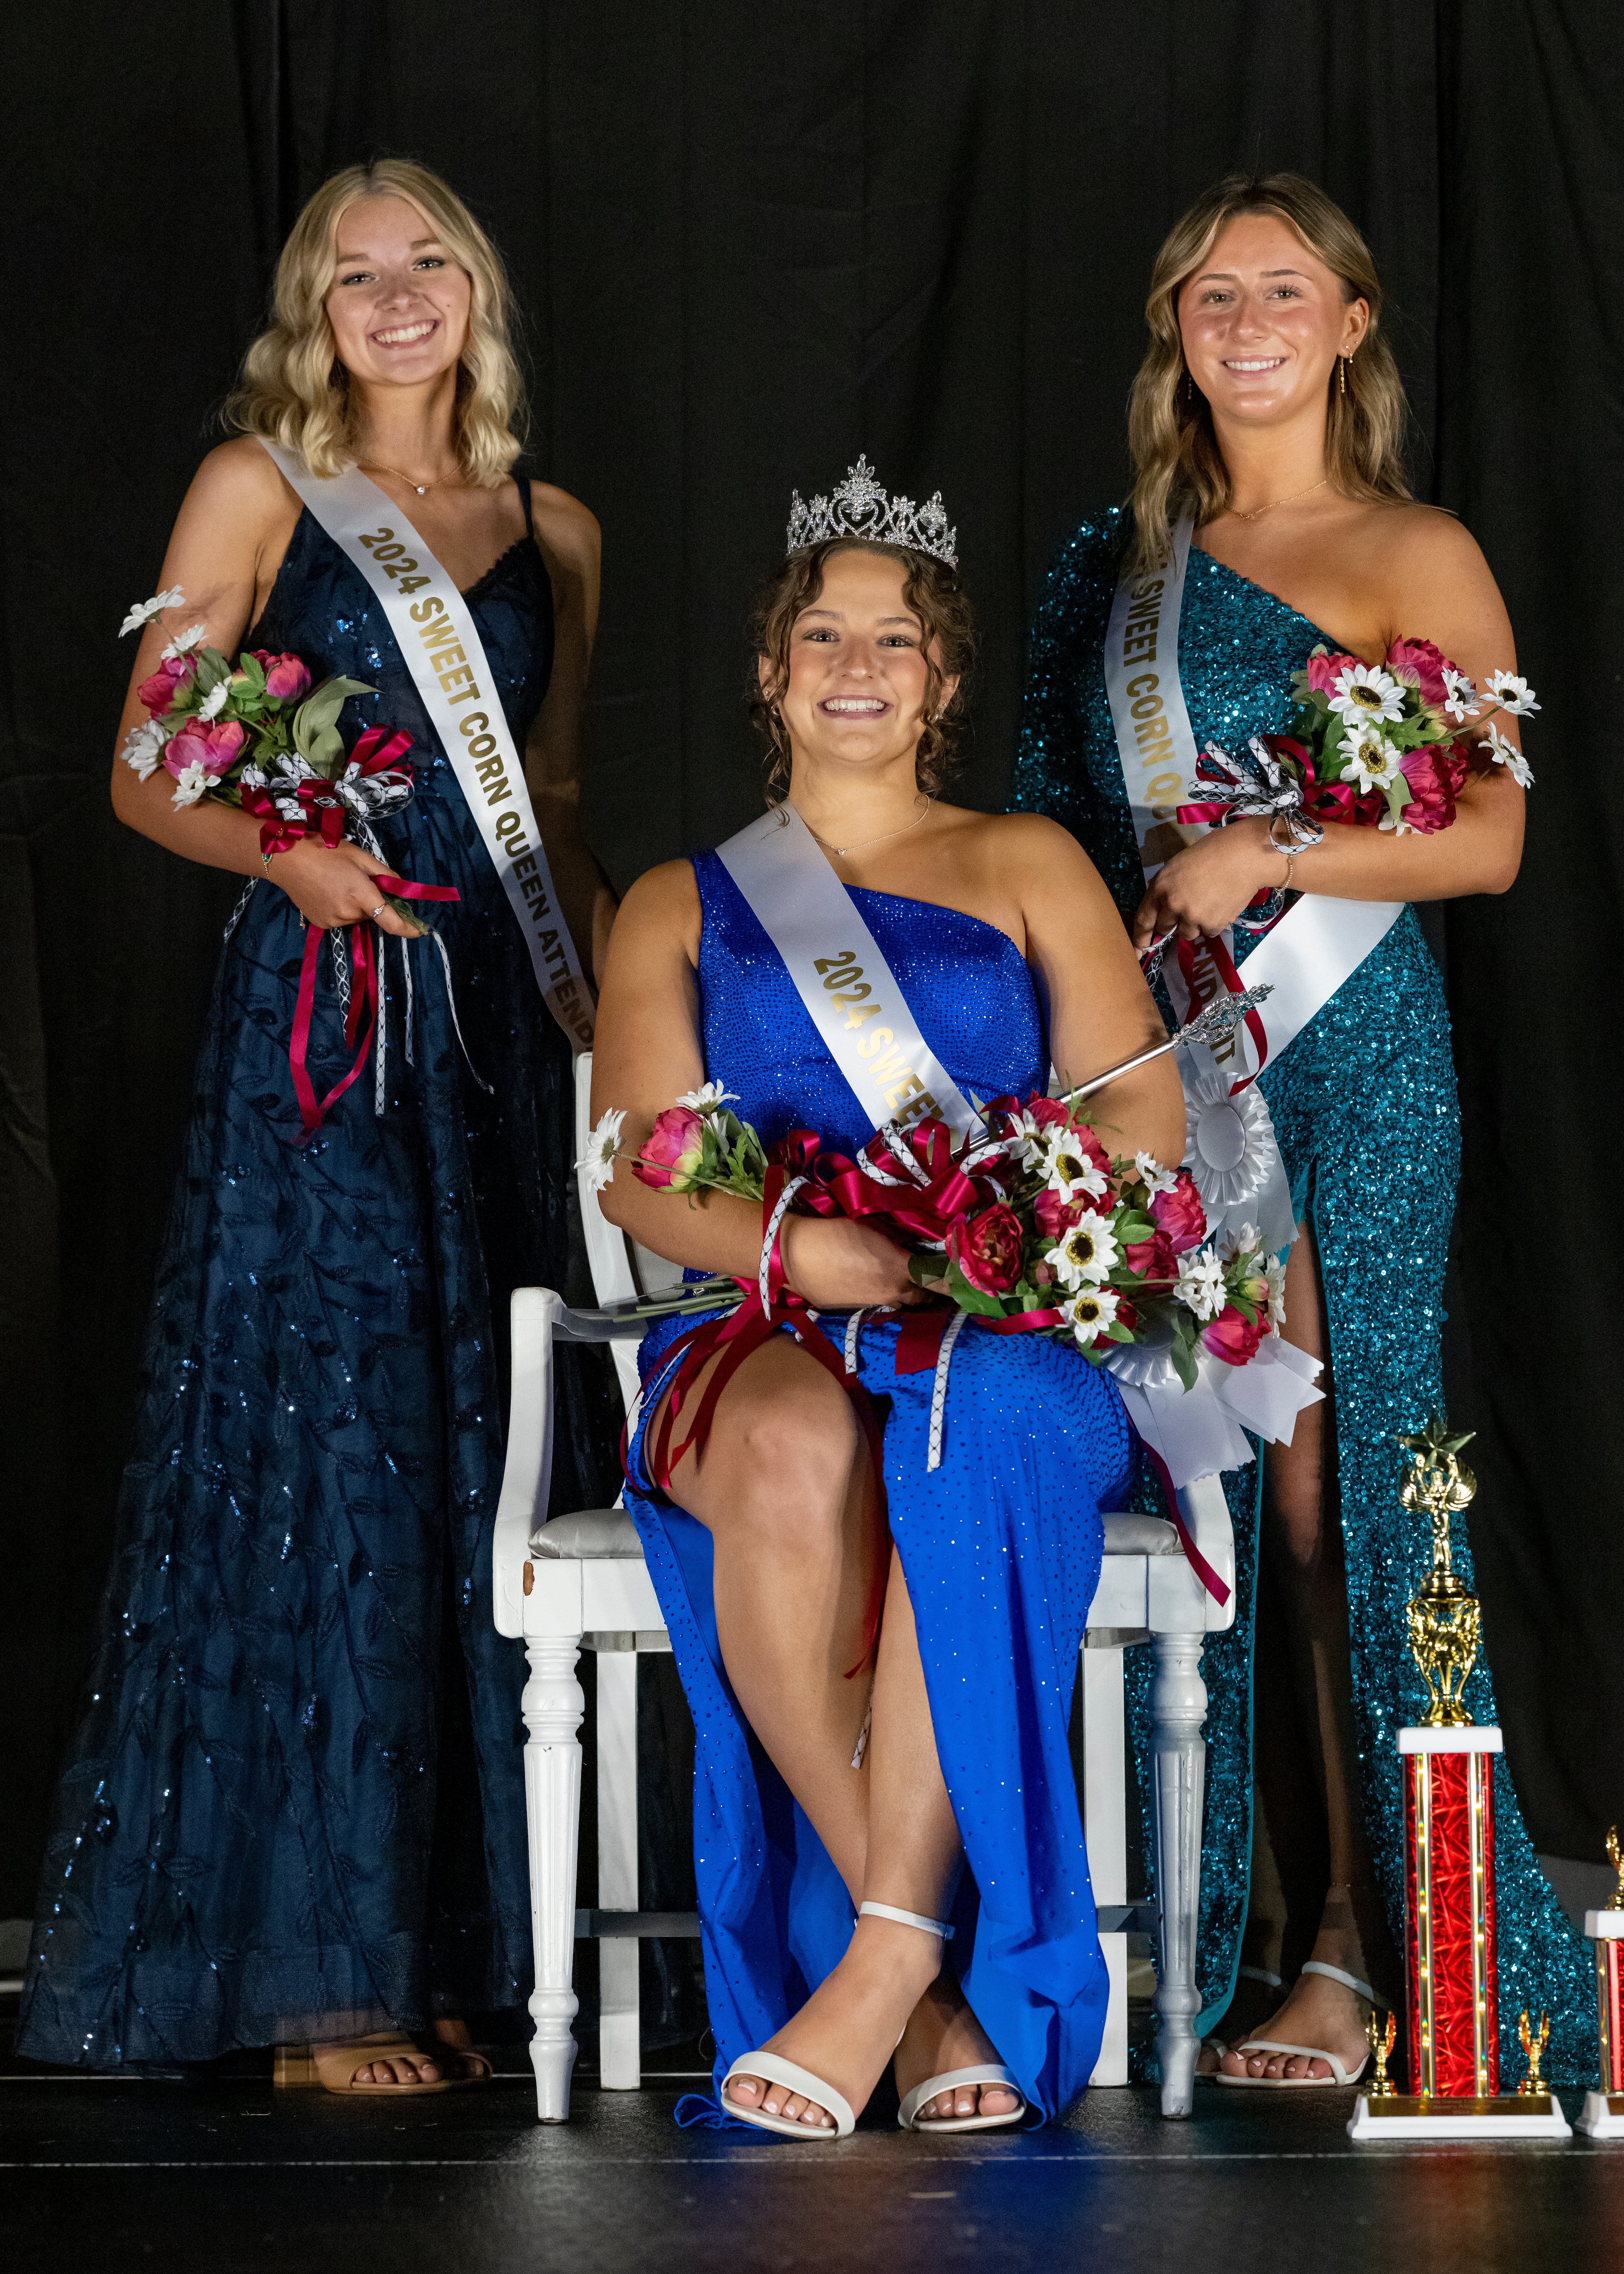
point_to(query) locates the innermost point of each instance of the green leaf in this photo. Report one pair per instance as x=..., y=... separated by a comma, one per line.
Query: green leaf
x=1183, y=1361
x=969, y=1297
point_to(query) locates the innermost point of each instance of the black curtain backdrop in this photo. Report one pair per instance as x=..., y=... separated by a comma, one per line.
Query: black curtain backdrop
x=752, y=241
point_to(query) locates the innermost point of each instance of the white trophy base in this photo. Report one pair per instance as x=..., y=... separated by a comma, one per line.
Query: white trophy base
x=1603, y=2116
x=1512, y=2116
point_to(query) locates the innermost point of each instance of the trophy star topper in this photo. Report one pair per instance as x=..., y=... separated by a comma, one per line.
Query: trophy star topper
x=858, y=506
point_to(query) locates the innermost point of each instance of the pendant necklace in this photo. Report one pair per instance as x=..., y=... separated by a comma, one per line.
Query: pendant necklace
x=841, y=851
x=422, y=488
x=1258, y=511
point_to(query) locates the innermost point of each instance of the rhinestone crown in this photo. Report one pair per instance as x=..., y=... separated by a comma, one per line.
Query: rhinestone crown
x=858, y=506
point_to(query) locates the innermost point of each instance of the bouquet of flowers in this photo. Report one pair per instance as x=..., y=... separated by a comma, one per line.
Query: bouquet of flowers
x=259, y=736
x=1378, y=746
x=1028, y=1223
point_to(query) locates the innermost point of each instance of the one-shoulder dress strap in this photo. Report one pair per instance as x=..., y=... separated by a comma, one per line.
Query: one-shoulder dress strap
x=526, y=502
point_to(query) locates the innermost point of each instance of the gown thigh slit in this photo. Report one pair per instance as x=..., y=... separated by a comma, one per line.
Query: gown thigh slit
x=294, y=1803
x=1000, y=1548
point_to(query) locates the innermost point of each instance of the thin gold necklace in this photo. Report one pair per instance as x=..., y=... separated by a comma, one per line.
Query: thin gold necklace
x=422, y=488
x=841, y=851
x=1258, y=512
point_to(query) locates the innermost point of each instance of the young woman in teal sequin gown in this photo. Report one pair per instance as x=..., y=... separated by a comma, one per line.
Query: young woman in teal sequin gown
x=963, y=1808
x=294, y=1805
x=1268, y=406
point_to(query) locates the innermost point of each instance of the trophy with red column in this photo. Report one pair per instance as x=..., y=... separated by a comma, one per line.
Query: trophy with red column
x=1603, y=2110
x=1448, y=1768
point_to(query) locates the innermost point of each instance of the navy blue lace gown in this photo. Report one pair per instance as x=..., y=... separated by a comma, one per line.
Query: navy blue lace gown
x=295, y=1792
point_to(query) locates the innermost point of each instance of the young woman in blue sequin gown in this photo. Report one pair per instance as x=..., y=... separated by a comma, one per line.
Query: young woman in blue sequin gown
x=963, y=1807
x=294, y=1806
x=1304, y=537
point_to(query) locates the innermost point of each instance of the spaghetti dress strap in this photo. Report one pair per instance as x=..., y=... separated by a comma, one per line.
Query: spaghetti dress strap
x=525, y=501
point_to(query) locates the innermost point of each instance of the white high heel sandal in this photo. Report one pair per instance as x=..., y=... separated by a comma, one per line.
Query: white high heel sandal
x=774, y=2070
x=1339, y=2075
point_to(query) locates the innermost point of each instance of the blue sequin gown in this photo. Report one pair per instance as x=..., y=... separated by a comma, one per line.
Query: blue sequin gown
x=1001, y=1546
x=295, y=1792
x=1364, y=1104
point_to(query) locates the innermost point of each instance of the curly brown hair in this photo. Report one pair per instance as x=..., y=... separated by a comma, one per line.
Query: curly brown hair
x=931, y=590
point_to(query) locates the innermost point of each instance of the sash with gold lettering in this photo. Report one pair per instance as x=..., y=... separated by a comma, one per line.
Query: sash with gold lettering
x=1317, y=945
x=850, y=992
x=435, y=632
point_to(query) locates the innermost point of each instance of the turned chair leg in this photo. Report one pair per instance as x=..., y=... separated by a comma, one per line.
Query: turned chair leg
x=1178, y=1708
x=552, y=1707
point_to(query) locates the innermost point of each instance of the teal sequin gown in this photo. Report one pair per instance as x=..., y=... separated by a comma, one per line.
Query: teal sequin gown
x=1364, y=1104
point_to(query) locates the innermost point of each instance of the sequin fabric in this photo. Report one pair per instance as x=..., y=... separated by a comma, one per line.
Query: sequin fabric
x=1001, y=1546
x=1364, y=1107
x=296, y=1791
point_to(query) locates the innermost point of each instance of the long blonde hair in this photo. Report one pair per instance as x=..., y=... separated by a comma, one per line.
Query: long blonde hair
x=295, y=390
x=1178, y=465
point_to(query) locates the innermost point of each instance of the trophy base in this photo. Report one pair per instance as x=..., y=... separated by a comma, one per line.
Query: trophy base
x=1511, y=2116
x=1603, y=2116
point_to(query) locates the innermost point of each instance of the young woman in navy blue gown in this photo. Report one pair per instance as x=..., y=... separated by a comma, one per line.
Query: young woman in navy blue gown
x=294, y=1808
x=961, y=1810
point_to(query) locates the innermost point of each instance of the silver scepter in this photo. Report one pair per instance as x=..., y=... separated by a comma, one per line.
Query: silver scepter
x=1221, y=1017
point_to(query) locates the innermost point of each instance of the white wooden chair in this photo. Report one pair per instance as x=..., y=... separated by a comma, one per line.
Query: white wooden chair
x=580, y=1581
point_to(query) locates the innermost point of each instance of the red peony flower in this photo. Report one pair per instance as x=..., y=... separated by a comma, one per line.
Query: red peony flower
x=1231, y=1337
x=1054, y=1215
x=987, y=1248
x=1153, y=1257
x=285, y=676
x=1324, y=670
x=673, y=1150
x=1180, y=1213
x=158, y=692
x=1435, y=774
x=214, y=747
x=1421, y=666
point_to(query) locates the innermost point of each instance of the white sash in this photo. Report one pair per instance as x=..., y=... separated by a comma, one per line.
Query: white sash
x=435, y=632
x=851, y=993
x=1317, y=945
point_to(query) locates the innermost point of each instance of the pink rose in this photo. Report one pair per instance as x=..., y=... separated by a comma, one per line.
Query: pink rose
x=157, y=693
x=987, y=1248
x=1054, y=1215
x=1152, y=1258
x=1048, y=1112
x=1421, y=666
x=1180, y=1214
x=214, y=747
x=1232, y=1336
x=1325, y=670
x=1435, y=775
x=674, y=1148
x=285, y=676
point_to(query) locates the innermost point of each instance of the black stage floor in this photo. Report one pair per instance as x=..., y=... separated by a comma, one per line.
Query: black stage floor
x=233, y=2178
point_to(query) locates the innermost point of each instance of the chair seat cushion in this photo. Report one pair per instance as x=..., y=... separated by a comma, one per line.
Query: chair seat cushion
x=591, y=1533
x=1139, y=1535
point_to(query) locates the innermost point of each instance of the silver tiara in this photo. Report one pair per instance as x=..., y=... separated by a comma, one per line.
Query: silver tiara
x=858, y=506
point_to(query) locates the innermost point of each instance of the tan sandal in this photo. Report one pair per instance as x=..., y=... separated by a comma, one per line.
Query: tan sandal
x=300, y=2065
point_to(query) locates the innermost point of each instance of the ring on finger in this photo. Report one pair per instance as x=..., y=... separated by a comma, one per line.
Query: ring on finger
x=378, y=910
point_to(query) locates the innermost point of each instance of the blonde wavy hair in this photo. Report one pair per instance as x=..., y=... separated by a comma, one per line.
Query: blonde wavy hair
x=295, y=390
x=1178, y=465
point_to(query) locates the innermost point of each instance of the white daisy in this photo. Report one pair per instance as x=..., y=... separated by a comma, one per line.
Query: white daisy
x=1375, y=762
x=1200, y=1285
x=1512, y=694
x=1089, y=1314
x=602, y=1146
x=707, y=1097
x=193, y=637
x=214, y=702
x=1366, y=693
x=1152, y=1174
x=144, y=611
x=1071, y=1169
x=1274, y=1272
x=1083, y=1255
x=191, y=783
x=1459, y=695
x=1505, y=753
x=143, y=748
x=1029, y=1139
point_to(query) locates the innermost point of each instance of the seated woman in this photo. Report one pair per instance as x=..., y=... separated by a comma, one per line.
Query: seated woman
x=954, y=1831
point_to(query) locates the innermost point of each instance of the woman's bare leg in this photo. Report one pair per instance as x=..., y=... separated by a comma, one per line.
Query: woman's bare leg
x=786, y=1492
x=1302, y=1540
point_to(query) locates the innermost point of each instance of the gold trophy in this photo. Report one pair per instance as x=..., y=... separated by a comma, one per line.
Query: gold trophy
x=1448, y=1770
x=1603, y=2110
